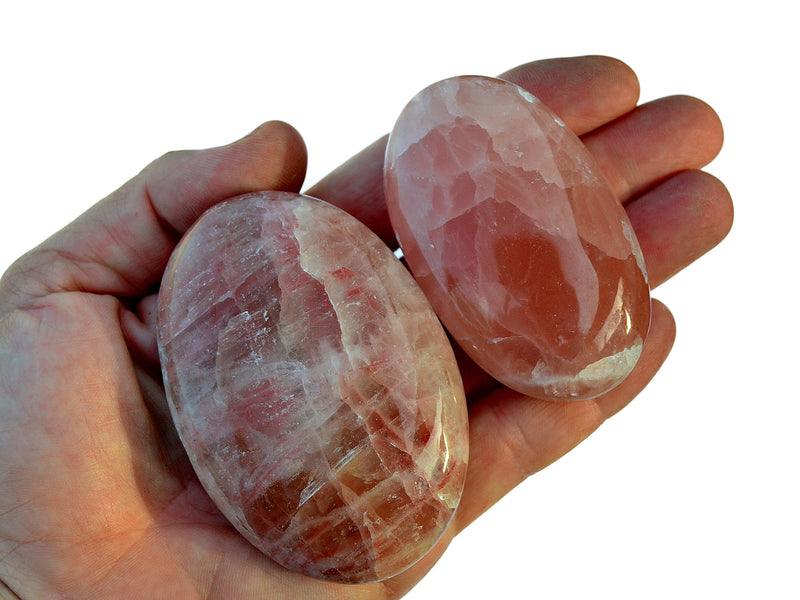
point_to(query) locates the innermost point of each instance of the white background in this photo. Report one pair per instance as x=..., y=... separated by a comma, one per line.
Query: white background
x=692, y=491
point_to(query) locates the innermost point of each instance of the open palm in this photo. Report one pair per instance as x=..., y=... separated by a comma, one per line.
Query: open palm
x=97, y=498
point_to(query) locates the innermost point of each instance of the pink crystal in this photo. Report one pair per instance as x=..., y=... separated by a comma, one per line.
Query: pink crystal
x=520, y=245
x=313, y=388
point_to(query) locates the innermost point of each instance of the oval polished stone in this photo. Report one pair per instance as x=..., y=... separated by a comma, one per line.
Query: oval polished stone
x=315, y=391
x=520, y=245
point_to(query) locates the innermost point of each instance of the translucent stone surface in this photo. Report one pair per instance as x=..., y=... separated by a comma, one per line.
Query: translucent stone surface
x=313, y=387
x=518, y=242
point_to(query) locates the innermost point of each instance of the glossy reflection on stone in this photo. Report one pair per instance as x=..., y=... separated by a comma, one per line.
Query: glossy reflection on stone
x=520, y=245
x=313, y=387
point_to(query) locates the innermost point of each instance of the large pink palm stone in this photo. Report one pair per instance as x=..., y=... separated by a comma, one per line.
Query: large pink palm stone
x=313, y=388
x=517, y=240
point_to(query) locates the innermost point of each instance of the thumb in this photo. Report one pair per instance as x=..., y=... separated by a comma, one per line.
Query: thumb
x=121, y=245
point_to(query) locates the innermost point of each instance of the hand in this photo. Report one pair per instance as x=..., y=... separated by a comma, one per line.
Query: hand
x=97, y=498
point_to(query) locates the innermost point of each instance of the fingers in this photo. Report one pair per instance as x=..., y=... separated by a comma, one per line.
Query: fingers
x=121, y=245
x=635, y=148
x=676, y=222
x=655, y=140
x=680, y=220
x=586, y=92
x=512, y=437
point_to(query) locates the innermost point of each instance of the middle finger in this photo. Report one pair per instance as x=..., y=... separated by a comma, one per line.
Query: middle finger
x=654, y=141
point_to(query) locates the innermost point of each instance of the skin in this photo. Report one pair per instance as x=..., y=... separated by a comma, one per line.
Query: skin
x=97, y=499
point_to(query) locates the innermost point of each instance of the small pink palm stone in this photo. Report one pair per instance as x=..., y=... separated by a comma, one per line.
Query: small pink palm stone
x=519, y=244
x=313, y=388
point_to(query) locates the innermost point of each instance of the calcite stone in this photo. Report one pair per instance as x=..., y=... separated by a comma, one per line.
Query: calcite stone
x=520, y=245
x=314, y=389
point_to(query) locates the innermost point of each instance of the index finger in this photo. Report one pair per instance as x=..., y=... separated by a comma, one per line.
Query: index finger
x=585, y=92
